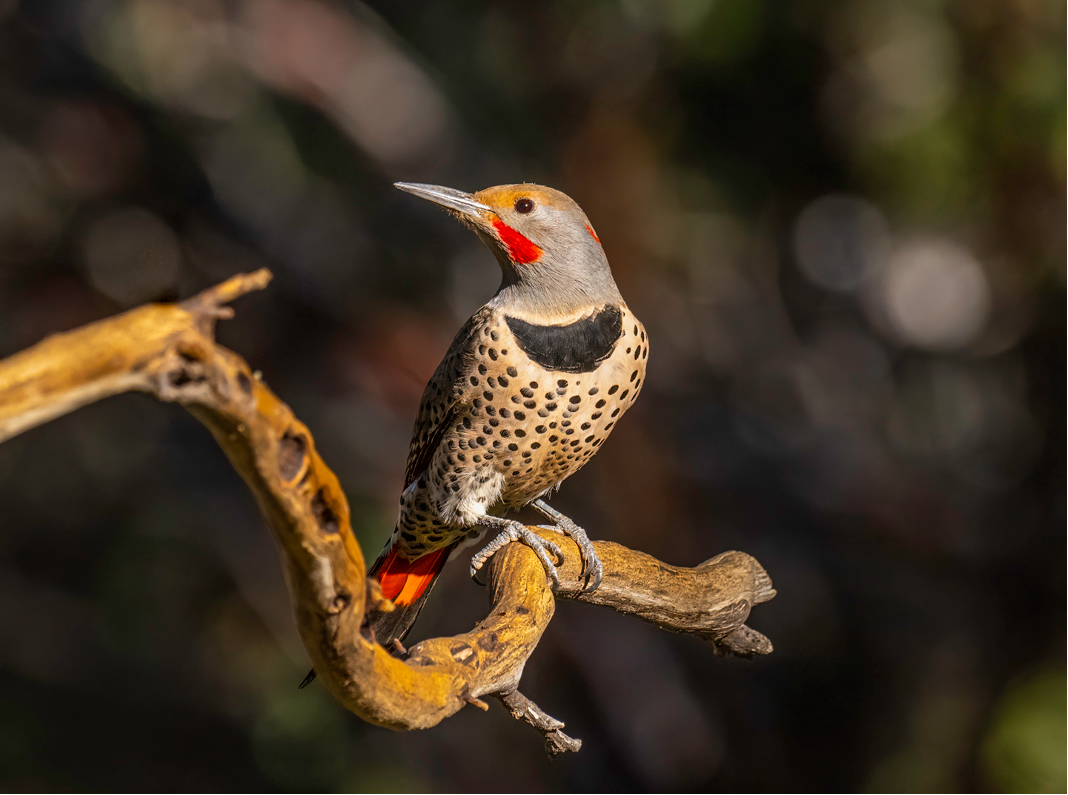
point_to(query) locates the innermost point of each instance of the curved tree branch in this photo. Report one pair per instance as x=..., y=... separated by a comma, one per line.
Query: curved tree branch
x=168, y=351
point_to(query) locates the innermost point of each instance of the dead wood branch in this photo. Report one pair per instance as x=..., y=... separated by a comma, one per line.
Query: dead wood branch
x=522, y=708
x=168, y=351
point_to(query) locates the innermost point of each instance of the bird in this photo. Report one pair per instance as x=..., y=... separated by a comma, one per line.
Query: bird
x=528, y=391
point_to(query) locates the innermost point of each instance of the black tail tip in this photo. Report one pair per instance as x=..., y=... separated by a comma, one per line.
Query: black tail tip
x=307, y=680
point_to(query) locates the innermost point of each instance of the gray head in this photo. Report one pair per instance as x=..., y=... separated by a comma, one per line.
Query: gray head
x=553, y=265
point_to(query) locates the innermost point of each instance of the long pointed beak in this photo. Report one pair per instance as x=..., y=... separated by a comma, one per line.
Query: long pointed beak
x=449, y=198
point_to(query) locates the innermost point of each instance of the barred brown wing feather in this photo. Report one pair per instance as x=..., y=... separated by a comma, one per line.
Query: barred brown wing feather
x=422, y=451
x=445, y=389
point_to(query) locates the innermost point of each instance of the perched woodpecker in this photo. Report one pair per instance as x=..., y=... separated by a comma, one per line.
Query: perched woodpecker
x=528, y=391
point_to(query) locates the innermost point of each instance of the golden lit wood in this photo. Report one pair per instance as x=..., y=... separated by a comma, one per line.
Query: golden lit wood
x=168, y=351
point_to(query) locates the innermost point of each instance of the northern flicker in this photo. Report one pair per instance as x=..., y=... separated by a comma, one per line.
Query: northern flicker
x=528, y=391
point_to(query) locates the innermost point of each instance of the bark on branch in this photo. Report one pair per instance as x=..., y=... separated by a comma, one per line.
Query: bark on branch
x=168, y=351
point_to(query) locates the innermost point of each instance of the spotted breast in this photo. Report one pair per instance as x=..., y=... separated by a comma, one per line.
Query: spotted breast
x=531, y=405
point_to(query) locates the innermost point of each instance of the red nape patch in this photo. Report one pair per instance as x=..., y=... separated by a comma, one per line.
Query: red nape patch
x=592, y=233
x=520, y=249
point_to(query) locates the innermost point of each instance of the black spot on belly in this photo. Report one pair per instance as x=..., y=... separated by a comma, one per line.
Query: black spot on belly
x=575, y=348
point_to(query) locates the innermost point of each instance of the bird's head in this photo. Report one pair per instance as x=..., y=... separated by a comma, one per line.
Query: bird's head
x=553, y=265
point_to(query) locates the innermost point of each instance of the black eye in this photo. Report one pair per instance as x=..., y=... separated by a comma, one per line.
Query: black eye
x=523, y=206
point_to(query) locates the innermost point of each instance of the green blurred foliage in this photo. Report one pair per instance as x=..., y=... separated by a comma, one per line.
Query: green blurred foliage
x=1024, y=747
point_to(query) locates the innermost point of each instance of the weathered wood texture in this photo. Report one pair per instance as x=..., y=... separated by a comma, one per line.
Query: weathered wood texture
x=168, y=350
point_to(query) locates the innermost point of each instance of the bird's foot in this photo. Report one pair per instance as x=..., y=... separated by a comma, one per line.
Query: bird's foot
x=510, y=531
x=591, y=564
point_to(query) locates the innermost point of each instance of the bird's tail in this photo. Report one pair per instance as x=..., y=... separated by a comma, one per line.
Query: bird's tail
x=408, y=583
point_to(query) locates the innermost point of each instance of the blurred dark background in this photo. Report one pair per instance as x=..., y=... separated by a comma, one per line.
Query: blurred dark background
x=843, y=224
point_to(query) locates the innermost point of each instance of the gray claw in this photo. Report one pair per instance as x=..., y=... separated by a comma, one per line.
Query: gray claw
x=594, y=574
x=592, y=569
x=514, y=531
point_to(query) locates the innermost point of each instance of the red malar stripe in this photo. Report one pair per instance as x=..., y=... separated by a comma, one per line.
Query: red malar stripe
x=592, y=233
x=521, y=250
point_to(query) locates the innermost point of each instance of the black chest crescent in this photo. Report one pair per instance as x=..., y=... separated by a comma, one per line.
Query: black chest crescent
x=576, y=348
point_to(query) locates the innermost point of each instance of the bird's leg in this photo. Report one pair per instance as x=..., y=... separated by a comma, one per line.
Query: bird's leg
x=509, y=530
x=591, y=564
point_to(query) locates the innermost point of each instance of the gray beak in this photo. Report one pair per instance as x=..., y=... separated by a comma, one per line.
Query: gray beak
x=449, y=198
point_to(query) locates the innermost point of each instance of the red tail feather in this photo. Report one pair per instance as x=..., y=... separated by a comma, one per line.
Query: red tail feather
x=403, y=580
x=408, y=583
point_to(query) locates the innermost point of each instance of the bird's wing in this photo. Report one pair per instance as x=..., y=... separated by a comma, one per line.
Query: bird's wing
x=447, y=389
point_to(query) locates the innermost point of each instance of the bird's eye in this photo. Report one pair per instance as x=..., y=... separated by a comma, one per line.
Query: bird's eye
x=523, y=206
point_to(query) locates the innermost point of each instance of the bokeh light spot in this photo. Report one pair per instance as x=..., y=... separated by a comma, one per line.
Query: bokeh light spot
x=838, y=239
x=934, y=295
x=130, y=255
